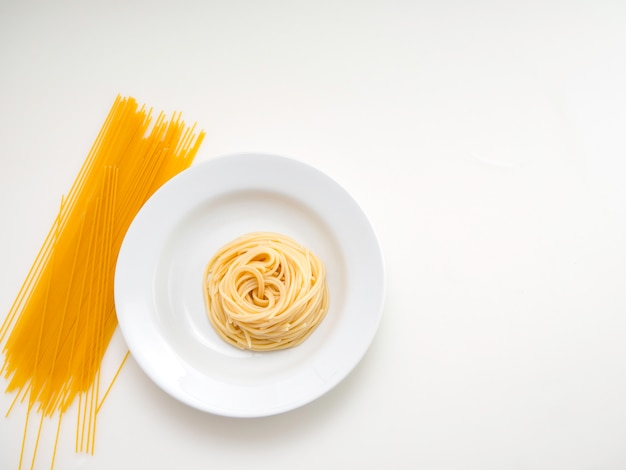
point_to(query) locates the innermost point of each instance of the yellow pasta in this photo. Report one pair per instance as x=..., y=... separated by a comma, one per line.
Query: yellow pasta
x=60, y=325
x=263, y=292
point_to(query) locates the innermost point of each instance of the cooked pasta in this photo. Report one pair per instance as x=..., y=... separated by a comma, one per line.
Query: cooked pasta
x=263, y=292
x=60, y=325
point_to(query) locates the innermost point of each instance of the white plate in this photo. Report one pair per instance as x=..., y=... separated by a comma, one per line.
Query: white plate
x=158, y=283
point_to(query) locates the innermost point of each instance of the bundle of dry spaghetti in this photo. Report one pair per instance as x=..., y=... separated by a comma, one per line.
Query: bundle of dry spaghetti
x=264, y=291
x=59, y=327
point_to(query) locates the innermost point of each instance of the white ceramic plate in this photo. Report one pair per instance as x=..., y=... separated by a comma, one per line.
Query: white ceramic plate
x=158, y=283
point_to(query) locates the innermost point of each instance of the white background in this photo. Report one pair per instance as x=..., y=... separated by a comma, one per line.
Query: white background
x=484, y=139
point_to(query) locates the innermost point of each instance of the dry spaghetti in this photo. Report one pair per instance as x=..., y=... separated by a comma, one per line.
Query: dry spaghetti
x=263, y=292
x=60, y=325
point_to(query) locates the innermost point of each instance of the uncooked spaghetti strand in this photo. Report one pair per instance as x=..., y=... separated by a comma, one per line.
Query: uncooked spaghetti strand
x=56, y=442
x=24, y=435
x=64, y=314
x=109, y=192
x=75, y=330
x=117, y=373
x=32, y=463
x=91, y=359
x=88, y=166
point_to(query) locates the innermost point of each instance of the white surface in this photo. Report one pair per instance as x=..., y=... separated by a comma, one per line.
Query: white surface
x=158, y=283
x=484, y=139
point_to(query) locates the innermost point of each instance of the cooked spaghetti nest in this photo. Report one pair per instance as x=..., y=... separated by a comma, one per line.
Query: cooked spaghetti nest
x=263, y=292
